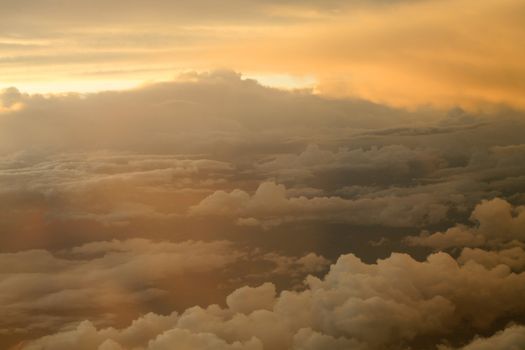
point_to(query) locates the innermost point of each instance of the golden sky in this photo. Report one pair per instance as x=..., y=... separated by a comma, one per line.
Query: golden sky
x=262, y=174
x=403, y=53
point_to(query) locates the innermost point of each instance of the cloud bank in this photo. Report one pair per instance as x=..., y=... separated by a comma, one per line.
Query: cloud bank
x=366, y=306
x=173, y=213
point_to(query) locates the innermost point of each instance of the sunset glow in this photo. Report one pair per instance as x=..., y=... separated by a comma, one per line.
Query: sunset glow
x=262, y=175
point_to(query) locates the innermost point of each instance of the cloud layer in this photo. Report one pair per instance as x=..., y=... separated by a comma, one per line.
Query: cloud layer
x=199, y=217
x=358, y=48
x=389, y=304
x=497, y=224
x=108, y=281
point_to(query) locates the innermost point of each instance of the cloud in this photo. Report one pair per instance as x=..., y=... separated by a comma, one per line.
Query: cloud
x=10, y=100
x=191, y=113
x=42, y=290
x=130, y=161
x=512, y=337
x=340, y=44
x=308, y=339
x=88, y=170
x=201, y=341
x=86, y=336
x=400, y=161
x=511, y=257
x=497, y=222
x=270, y=206
x=114, y=205
x=246, y=299
x=103, y=275
x=370, y=306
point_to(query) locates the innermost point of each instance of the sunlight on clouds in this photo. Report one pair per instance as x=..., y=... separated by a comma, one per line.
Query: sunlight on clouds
x=47, y=87
x=262, y=174
x=283, y=81
x=403, y=53
x=280, y=81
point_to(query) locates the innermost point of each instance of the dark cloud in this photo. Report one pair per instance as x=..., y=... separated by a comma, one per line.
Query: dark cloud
x=511, y=337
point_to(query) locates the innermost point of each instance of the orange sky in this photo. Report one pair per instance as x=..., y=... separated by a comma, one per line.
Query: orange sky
x=402, y=53
x=262, y=174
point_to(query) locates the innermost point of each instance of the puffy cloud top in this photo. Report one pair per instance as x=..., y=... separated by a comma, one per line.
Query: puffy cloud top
x=369, y=306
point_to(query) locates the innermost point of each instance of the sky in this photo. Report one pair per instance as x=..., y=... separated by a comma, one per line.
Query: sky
x=262, y=175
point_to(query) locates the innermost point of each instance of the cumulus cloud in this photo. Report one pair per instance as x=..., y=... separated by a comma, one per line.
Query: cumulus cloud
x=370, y=306
x=200, y=341
x=86, y=336
x=496, y=222
x=511, y=257
x=308, y=339
x=270, y=206
x=99, y=275
x=40, y=290
x=512, y=337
